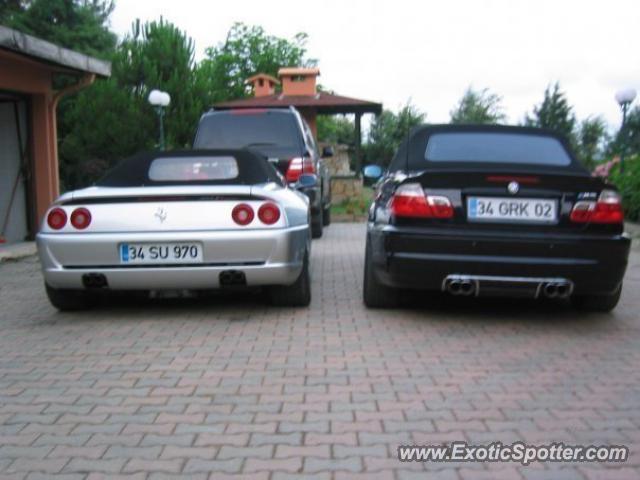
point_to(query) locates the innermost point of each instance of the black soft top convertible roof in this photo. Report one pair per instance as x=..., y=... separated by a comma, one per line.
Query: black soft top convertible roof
x=411, y=152
x=253, y=169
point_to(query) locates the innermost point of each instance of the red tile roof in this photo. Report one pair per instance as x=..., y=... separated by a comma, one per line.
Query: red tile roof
x=322, y=102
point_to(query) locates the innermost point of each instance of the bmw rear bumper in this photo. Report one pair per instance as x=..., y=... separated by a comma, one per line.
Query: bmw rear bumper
x=265, y=257
x=422, y=259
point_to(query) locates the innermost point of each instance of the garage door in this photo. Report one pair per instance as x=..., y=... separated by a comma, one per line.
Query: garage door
x=13, y=199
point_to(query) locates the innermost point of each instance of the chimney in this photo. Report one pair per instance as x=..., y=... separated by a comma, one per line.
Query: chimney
x=263, y=85
x=298, y=81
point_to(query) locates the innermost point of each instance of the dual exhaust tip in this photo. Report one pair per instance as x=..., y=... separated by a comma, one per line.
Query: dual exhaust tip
x=232, y=278
x=94, y=280
x=556, y=289
x=464, y=287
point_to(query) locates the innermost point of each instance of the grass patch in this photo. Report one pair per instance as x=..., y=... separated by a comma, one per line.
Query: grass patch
x=356, y=206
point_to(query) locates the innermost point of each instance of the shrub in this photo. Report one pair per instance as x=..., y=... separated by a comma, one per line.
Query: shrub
x=628, y=182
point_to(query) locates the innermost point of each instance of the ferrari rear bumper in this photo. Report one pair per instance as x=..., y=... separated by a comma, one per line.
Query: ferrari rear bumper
x=264, y=257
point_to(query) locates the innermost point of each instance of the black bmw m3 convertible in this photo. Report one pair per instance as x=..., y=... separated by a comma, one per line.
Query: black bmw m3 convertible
x=494, y=210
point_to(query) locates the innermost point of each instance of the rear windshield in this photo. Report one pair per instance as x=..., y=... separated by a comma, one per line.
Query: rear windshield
x=510, y=148
x=187, y=169
x=192, y=167
x=240, y=130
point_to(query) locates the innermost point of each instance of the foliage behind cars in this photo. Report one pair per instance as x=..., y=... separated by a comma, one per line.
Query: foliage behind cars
x=628, y=183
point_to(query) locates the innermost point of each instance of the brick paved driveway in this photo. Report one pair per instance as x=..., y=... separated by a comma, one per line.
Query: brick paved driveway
x=234, y=387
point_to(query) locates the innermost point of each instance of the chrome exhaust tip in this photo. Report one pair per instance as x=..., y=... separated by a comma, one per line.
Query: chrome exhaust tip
x=467, y=287
x=456, y=286
x=550, y=290
x=557, y=289
x=453, y=287
x=563, y=290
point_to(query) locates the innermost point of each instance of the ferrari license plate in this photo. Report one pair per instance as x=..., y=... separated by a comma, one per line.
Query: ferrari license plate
x=501, y=209
x=160, y=253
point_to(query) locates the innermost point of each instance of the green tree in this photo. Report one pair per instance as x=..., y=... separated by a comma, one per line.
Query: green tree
x=246, y=51
x=335, y=129
x=113, y=118
x=628, y=136
x=554, y=113
x=478, y=107
x=387, y=131
x=80, y=25
x=9, y=8
x=591, y=139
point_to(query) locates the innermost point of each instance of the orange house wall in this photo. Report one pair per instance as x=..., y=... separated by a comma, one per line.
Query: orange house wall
x=27, y=77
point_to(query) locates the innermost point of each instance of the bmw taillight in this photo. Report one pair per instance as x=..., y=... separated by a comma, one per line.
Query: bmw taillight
x=298, y=166
x=409, y=200
x=607, y=209
x=80, y=218
x=242, y=214
x=269, y=213
x=57, y=218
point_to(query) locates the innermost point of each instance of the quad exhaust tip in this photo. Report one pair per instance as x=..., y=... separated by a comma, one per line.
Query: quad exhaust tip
x=466, y=285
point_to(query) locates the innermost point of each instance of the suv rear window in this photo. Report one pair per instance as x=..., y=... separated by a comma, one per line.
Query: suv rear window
x=241, y=129
x=508, y=148
x=186, y=169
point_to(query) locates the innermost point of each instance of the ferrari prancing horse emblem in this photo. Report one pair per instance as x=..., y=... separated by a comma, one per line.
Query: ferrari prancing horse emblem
x=161, y=214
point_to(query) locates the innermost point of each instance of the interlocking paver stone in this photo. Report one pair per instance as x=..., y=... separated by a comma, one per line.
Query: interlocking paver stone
x=227, y=387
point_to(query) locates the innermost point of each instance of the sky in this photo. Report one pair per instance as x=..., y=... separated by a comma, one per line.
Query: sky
x=429, y=51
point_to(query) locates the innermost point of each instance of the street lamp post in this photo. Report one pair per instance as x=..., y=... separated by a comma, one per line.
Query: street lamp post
x=624, y=99
x=160, y=100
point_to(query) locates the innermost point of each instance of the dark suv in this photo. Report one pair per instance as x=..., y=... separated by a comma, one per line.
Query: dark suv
x=284, y=138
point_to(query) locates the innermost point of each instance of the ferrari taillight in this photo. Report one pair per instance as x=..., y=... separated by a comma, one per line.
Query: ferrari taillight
x=242, y=214
x=298, y=166
x=57, y=218
x=607, y=209
x=409, y=200
x=269, y=213
x=80, y=218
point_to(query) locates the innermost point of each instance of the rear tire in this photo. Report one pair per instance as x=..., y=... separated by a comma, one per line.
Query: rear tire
x=316, y=225
x=326, y=217
x=374, y=294
x=70, y=300
x=597, y=303
x=296, y=295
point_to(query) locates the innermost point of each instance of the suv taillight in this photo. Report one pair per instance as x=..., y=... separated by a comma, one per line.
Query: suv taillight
x=608, y=209
x=298, y=166
x=409, y=200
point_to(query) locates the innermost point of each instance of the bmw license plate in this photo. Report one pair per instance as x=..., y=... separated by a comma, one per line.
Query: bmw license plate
x=501, y=209
x=160, y=253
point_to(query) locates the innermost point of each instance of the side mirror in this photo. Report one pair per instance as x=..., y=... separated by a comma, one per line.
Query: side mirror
x=327, y=152
x=372, y=172
x=307, y=180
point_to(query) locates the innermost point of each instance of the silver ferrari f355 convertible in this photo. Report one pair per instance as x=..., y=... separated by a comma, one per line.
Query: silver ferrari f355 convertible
x=189, y=220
